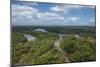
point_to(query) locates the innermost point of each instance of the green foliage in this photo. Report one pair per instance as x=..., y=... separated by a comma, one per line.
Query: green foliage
x=68, y=44
x=52, y=56
x=42, y=50
x=27, y=52
x=78, y=49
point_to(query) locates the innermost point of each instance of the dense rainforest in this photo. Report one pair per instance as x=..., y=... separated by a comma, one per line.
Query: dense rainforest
x=57, y=45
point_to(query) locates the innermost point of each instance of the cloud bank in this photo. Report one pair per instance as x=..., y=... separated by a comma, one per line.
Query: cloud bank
x=29, y=13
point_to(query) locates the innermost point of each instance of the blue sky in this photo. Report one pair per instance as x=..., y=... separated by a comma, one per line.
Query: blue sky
x=51, y=14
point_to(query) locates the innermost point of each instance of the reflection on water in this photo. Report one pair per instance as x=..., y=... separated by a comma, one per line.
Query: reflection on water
x=29, y=37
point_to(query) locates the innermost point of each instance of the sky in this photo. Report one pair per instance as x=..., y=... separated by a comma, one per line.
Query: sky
x=51, y=14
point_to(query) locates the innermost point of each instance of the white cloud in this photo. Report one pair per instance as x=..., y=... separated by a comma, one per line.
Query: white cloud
x=23, y=11
x=27, y=15
x=74, y=18
x=22, y=14
x=67, y=8
x=92, y=20
x=57, y=9
x=21, y=7
x=49, y=16
x=64, y=8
